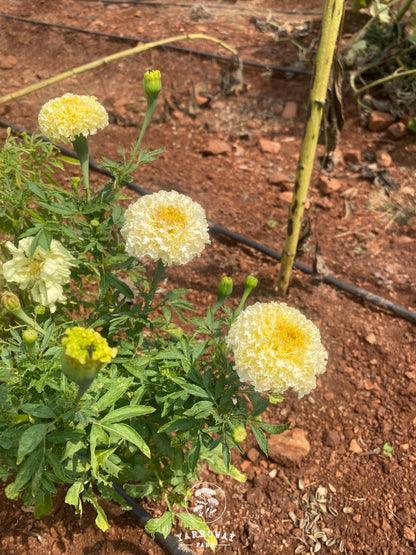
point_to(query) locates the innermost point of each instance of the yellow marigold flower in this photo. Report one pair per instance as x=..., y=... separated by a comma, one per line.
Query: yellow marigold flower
x=166, y=226
x=43, y=274
x=276, y=347
x=85, y=353
x=63, y=119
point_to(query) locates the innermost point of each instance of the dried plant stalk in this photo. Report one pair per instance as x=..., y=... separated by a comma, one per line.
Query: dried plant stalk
x=331, y=21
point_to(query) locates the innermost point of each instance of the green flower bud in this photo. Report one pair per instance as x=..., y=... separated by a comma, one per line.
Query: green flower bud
x=30, y=337
x=239, y=434
x=152, y=84
x=225, y=287
x=251, y=283
x=10, y=301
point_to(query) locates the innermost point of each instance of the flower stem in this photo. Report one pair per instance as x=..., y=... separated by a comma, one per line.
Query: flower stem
x=159, y=271
x=80, y=145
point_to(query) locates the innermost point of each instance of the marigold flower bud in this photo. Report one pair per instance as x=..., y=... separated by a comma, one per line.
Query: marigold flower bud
x=239, y=434
x=152, y=84
x=30, y=337
x=10, y=301
x=225, y=288
x=251, y=283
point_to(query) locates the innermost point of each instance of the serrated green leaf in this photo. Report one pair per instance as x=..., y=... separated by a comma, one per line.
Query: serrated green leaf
x=273, y=428
x=127, y=433
x=25, y=474
x=30, y=439
x=101, y=519
x=260, y=438
x=72, y=496
x=43, y=503
x=195, y=523
x=201, y=409
x=163, y=524
x=259, y=406
x=112, y=395
x=124, y=413
x=179, y=425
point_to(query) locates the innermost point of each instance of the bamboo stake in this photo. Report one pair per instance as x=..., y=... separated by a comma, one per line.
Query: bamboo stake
x=108, y=59
x=331, y=21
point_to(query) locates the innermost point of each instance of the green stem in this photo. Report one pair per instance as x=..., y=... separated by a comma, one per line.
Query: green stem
x=151, y=105
x=80, y=145
x=159, y=271
x=403, y=9
x=82, y=388
x=331, y=20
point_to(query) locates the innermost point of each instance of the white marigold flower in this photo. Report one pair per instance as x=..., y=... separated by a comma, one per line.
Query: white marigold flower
x=64, y=118
x=276, y=347
x=166, y=226
x=43, y=274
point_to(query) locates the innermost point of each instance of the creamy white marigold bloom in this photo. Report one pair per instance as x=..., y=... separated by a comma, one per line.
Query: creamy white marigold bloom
x=63, y=119
x=166, y=226
x=43, y=274
x=276, y=348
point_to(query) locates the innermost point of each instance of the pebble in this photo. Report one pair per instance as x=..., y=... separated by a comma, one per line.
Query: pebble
x=290, y=111
x=383, y=158
x=253, y=454
x=379, y=121
x=290, y=447
x=215, y=147
x=397, y=131
x=272, y=147
x=355, y=446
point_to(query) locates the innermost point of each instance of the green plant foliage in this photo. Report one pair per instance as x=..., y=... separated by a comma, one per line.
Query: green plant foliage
x=170, y=398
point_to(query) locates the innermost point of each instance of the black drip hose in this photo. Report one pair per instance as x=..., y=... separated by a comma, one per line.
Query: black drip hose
x=215, y=228
x=287, y=70
x=170, y=544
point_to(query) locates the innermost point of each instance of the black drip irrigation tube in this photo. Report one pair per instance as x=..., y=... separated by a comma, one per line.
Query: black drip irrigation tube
x=216, y=228
x=170, y=544
x=203, y=54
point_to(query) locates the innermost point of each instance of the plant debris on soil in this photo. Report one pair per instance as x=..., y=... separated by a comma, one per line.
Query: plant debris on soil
x=341, y=479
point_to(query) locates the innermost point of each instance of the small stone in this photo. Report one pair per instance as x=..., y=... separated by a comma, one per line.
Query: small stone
x=290, y=447
x=8, y=62
x=215, y=147
x=244, y=465
x=379, y=121
x=409, y=534
x=278, y=178
x=328, y=185
x=290, y=111
x=331, y=438
x=286, y=196
x=355, y=446
x=253, y=454
x=397, y=131
x=371, y=339
x=383, y=158
x=272, y=147
x=255, y=496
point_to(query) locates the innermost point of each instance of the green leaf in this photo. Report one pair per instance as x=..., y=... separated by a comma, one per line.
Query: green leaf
x=41, y=411
x=201, y=409
x=124, y=413
x=25, y=474
x=163, y=524
x=129, y=434
x=117, y=390
x=101, y=519
x=273, y=428
x=72, y=496
x=261, y=438
x=97, y=435
x=121, y=286
x=195, y=523
x=194, y=454
x=43, y=503
x=259, y=406
x=30, y=439
x=179, y=425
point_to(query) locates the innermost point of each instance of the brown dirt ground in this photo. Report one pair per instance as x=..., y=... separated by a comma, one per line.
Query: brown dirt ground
x=366, y=234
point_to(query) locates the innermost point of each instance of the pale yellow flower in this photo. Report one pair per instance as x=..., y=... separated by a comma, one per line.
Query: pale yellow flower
x=276, y=348
x=63, y=119
x=166, y=226
x=43, y=274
